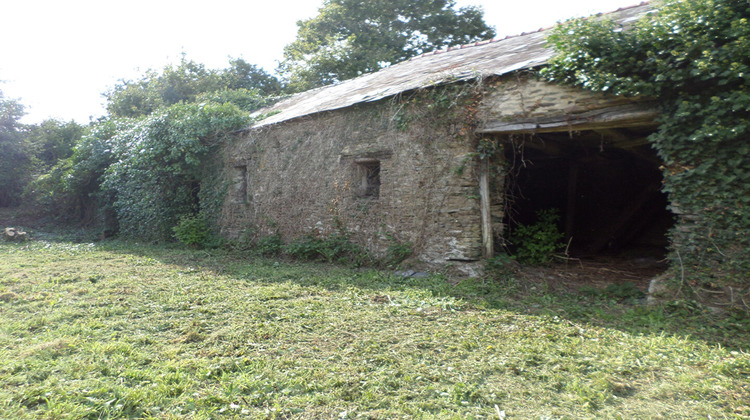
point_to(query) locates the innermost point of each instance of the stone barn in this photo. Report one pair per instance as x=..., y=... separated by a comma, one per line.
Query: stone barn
x=448, y=151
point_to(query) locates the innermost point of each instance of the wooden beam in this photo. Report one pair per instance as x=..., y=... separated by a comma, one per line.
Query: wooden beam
x=612, y=117
x=488, y=250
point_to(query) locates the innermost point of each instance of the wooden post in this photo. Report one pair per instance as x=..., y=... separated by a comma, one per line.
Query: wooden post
x=488, y=250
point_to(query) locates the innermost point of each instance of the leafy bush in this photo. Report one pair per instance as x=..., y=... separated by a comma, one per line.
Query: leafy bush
x=163, y=165
x=244, y=99
x=397, y=251
x=193, y=231
x=54, y=140
x=153, y=160
x=15, y=153
x=333, y=249
x=269, y=245
x=536, y=244
x=189, y=82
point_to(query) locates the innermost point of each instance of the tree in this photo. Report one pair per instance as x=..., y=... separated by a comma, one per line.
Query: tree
x=175, y=84
x=352, y=37
x=183, y=83
x=54, y=140
x=15, y=153
x=243, y=75
x=71, y=189
x=148, y=163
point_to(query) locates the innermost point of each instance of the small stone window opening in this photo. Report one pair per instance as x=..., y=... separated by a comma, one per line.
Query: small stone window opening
x=368, y=178
x=239, y=175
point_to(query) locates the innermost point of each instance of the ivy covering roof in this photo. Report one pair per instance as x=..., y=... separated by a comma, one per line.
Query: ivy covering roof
x=482, y=59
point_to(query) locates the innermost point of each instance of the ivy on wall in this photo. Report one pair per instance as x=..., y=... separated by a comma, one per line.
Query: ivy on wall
x=692, y=56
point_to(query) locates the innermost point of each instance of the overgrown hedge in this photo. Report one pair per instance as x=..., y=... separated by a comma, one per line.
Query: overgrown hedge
x=692, y=56
x=163, y=165
x=139, y=176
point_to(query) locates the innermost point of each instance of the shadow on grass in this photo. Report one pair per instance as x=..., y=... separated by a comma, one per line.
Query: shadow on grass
x=537, y=298
x=678, y=318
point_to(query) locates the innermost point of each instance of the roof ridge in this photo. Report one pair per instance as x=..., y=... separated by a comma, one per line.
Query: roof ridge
x=506, y=37
x=504, y=58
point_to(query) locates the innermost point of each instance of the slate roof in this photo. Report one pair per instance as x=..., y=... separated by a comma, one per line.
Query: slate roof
x=482, y=59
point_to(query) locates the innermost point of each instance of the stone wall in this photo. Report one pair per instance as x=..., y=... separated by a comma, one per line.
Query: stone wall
x=309, y=176
x=518, y=96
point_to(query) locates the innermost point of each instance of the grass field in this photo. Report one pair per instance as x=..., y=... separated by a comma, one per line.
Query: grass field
x=113, y=330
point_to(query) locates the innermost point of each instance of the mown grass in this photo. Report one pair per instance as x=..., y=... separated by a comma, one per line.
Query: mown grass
x=114, y=330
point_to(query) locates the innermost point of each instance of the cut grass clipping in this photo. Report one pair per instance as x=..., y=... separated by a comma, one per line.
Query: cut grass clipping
x=114, y=330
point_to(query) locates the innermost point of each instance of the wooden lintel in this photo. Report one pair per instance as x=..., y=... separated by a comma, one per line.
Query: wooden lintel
x=605, y=118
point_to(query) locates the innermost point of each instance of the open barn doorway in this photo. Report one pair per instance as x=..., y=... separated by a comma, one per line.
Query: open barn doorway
x=606, y=187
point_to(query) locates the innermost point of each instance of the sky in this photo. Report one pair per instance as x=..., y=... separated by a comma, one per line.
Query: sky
x=57, y=57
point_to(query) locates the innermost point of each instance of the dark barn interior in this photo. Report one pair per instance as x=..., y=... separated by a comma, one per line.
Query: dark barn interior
x=605, y=184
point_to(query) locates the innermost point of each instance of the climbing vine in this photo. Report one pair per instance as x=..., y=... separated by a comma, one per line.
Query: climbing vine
x=165, y=173
x=693, y=57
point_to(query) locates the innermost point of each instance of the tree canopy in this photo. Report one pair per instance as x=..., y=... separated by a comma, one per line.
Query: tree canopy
x=53, y=140
x=351, y=37
x=15, y=156
x=242, y=75
x=28, y=151
x=148, y=163
x=183, y=83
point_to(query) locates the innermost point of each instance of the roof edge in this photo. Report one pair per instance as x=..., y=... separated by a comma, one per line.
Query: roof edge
x=391, y=81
